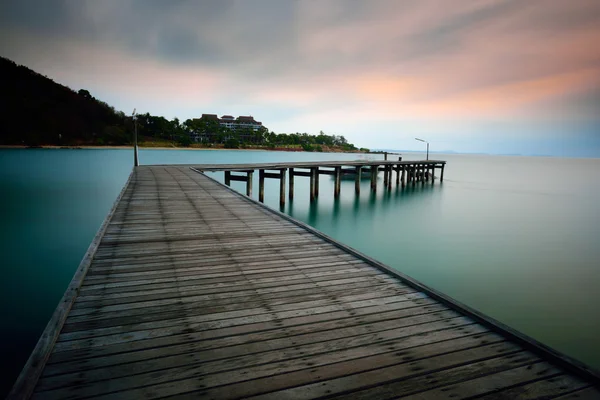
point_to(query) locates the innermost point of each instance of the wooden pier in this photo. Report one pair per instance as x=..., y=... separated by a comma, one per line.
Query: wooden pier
x=407, y=173
x=191, y=290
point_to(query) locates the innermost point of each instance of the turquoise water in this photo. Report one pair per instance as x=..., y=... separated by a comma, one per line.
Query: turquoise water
x=514, y=237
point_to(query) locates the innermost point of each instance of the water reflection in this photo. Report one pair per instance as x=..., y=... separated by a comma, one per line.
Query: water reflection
x=362, y=206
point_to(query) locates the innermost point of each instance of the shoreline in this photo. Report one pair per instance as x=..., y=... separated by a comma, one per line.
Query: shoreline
x=92, y=147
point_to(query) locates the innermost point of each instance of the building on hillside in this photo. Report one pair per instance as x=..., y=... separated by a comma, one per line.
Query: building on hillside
x=247, y=122
x=247, y=126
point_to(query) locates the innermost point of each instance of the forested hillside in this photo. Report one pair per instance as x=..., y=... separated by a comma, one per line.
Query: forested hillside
x=37, y=111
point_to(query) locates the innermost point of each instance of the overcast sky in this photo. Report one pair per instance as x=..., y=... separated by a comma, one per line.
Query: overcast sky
x=469, y=76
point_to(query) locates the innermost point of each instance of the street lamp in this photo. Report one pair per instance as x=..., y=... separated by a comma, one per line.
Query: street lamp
x=424, y=141
x=136, y=161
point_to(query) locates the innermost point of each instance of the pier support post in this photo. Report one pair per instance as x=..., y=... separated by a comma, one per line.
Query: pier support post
x=313, y=172
x=282, y=187
x=403, y=176
x=317, y=182
x=291, y=189
x=374, y=172
x=433, y=174
x=442, y=173
x=397, y=175
x=423, y=166
x=390, y=172
x=228, y=178
x=261, y=185
x=249, y=183
x=385, y=175
x=338, y=180
x=413, y=174
x=357, y=179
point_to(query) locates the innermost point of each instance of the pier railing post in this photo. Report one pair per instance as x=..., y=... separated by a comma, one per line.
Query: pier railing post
x=249, y=183
x=228, y=178
x=291, y=189
x=282, y=187
x=357, y=179
x=261, y=185
x=338, y=179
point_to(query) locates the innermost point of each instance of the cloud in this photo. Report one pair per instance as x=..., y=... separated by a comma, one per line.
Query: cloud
x=335, y=64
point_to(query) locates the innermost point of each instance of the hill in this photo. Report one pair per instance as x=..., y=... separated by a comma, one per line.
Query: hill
x=38, y=111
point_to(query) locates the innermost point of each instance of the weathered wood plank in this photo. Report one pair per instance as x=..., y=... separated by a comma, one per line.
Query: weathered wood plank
x=239, y=333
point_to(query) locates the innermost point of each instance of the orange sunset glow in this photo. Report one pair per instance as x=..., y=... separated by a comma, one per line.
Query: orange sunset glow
x=378, y=72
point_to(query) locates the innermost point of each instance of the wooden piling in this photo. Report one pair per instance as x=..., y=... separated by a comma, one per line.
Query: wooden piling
x=291, y=189
x=385, y=175
x=249, y=183
x=442, y=174
x=228, y=178
x=312, y=183
x=397, y=175
x=317, y=182
x=338, y=181
x=403, y=176
x=374, y=172
x=390, y=172
x=261, y=185
x=357, y=179
x=282, y=187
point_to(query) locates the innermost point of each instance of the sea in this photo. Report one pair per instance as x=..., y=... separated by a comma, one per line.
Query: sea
x=516, y=238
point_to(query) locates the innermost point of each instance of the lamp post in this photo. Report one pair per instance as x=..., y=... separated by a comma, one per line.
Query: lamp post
x=136, y=161
x=424, y=141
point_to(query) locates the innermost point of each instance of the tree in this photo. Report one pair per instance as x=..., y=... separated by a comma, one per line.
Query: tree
x=85, y=94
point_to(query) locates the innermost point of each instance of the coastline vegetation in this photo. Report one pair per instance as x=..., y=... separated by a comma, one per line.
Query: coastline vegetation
x=39, y=112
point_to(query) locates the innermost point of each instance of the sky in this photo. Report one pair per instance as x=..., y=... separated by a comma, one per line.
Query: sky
x=485, y=76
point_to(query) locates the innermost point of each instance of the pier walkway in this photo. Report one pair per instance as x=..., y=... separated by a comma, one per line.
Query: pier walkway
x=191, y=290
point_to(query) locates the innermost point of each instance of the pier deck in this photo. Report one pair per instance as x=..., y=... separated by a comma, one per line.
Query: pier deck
x=191, y=290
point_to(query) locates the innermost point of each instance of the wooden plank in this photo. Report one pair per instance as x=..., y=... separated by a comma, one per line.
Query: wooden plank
x=247, y=332
x=272, y=175
x=355, y=344
x=227, y=312
x=259, y=378
x=489, y=383
x=413, y=376
x=124, y=317
x=340, y=327
x=589, y=393
x=547, y=388
x=238, y=178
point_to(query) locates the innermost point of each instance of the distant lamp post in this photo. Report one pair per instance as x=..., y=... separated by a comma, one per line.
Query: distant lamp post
x=424, y=141
x=136, y=161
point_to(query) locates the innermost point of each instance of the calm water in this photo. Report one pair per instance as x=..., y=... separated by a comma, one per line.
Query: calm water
x=516, y=238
